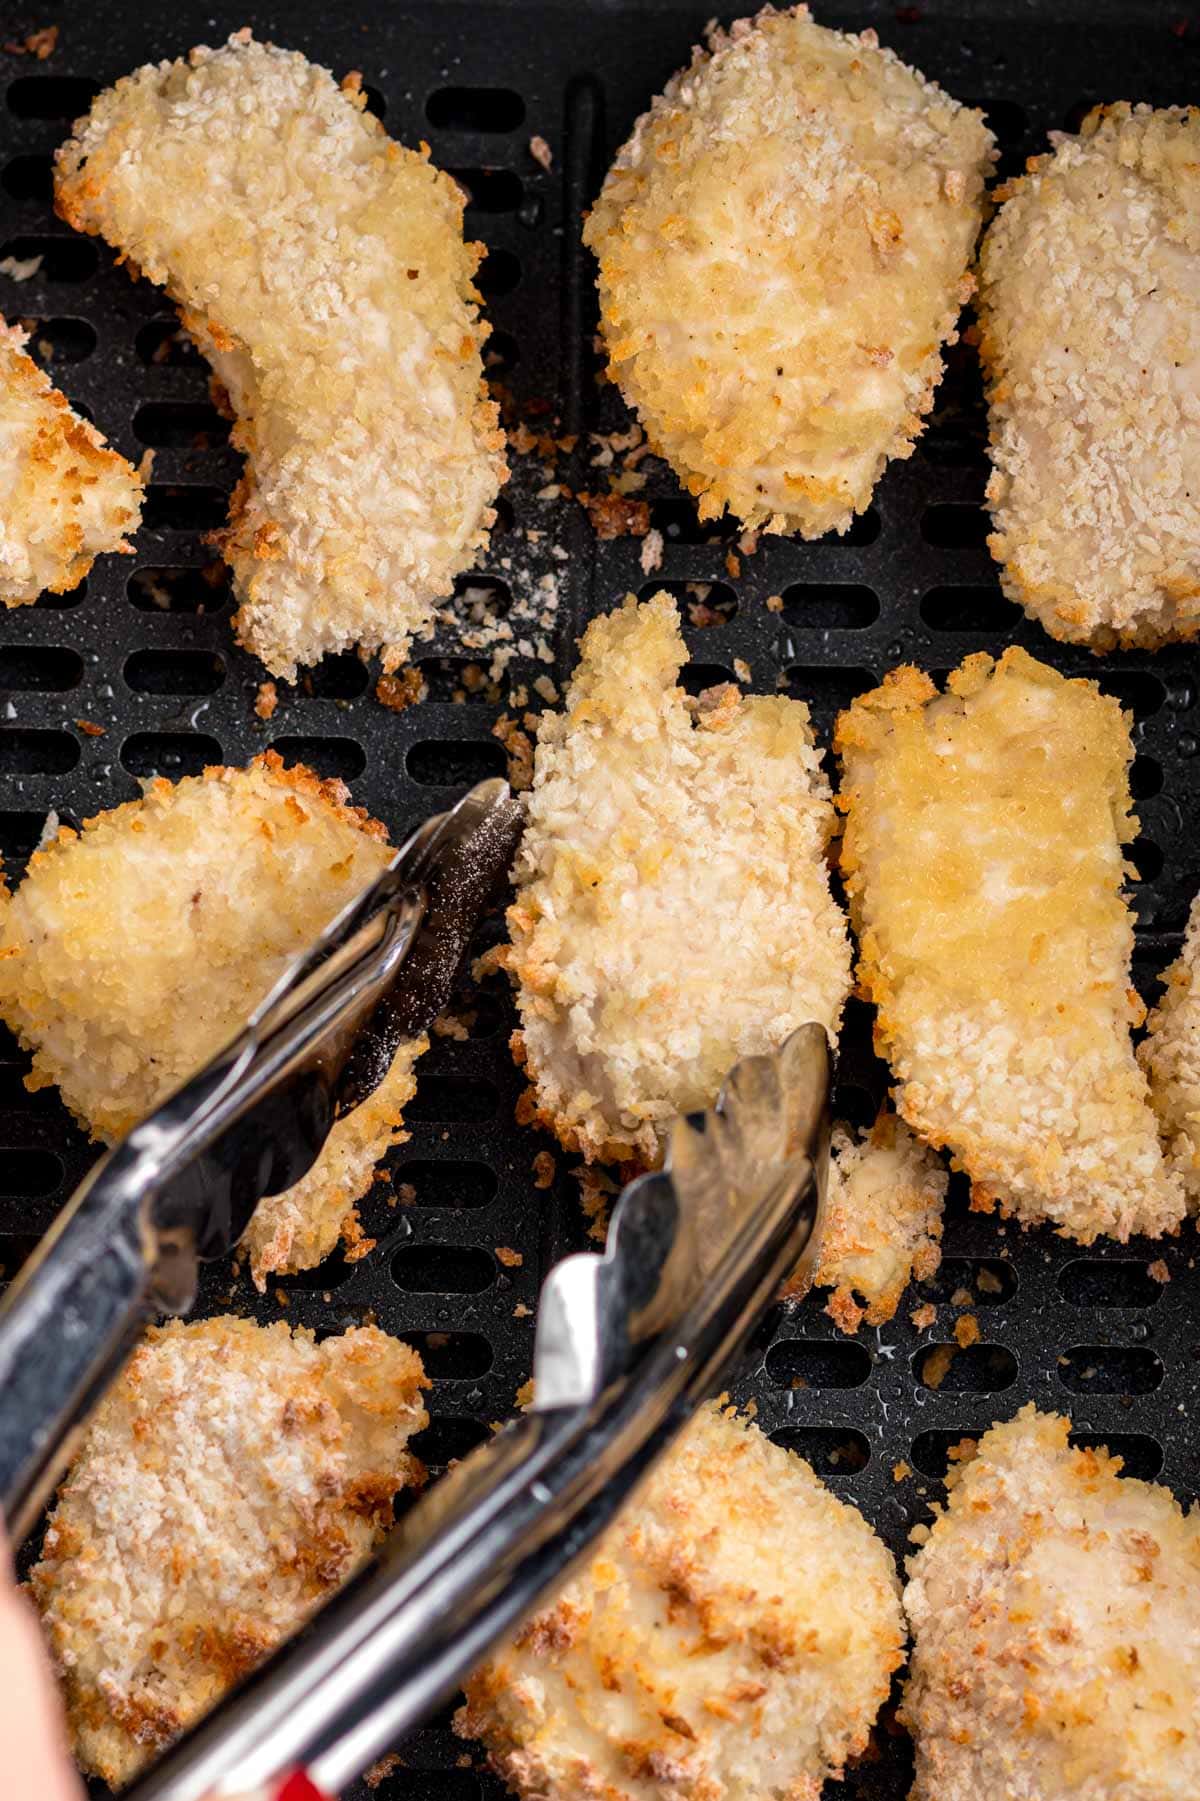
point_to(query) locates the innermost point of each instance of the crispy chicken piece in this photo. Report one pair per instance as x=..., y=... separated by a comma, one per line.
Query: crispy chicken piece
x=883, y=1221
x=321, y=269
x=783, y=246
x=1056, y=1649
x=1090, y=311
x=64, y=495
x=1170, y=1056
x=982, y=856
x=231, y=1480
x=673, y=910
x=731, y=1637
x=133, y=951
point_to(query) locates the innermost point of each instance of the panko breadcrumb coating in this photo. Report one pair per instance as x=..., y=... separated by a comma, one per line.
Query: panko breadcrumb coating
x=783, y=246
x=1090, y=314
x=134, y=950
x=983, y=858
x=673, y=910
x=233, y=1477
x=731, y=1637
x=1055, y=1612
x=1170, y=1056
x=65, y=496
x=883, y=1221
x=321, y=269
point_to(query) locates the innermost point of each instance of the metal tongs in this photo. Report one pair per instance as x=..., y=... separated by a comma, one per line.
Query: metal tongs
x=628, y=1343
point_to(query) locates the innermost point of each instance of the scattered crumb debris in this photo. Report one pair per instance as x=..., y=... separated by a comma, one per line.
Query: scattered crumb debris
x=774, y=603
x=597, y=1190
x=41, y=44
x=652, y=551
x=400, y=690
x=918, y=1534
x=524, y=1395
x=508, y=1257
x=521, y=1311
x=20, y=268
x=901, y=1471
x=937, y=1364
x=741, y=669
x=732, y=565
x=518, y=746
x=145, y=466
x=541, y=153
x=966, y=1331
x=961, y=1297
x=1158, y=1271
x=447, y=1026
x=614, y=516
x=543, y=1170
x=545, y=689
x=465, y=1762
x=379, y=1772
x=748, y=543
x=988, y=1282
x=282, y=1298
x=406, y=1194
x=90, y=729
x=266, y=700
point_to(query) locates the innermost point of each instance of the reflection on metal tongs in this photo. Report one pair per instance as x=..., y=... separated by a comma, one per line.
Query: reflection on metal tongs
x=628, y=1345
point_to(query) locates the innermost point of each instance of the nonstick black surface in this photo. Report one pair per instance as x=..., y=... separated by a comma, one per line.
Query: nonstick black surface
x=1092, y=1333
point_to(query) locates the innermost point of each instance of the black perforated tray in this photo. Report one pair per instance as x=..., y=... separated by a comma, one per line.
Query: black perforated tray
x=1093, y=1334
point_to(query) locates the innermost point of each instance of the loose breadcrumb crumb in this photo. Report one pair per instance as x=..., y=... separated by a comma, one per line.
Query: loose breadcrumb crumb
x=1170, y=1056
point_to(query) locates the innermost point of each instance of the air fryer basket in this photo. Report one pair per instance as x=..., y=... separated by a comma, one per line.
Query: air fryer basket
x=146, y=654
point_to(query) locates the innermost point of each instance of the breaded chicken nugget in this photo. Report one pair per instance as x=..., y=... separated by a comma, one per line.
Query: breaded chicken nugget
x=64, y=495
x=231, y=1480
x=1090, y=312
x=883, y=1221
x=732, y=1636
x=134, y=950
x=673, y=910
x=783, y=246
x=982, y=855
x=1170, y=1056
x=1055, y=1613
x=321, y=269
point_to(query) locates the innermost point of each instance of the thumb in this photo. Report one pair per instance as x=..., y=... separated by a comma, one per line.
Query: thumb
x=37, y=1764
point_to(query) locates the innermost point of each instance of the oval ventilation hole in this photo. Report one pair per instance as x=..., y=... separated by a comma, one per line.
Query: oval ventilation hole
x=862, y=529
x=442, y=1269
x=56, y=341
x=59, y=259
x=827, y=689
x=501, y=353
x=448, y=1183
x=51, y=96
x=701, y=604
x=1142, y=693
x=1141, y=1455
x=956, y=525
x=490, y=190
x=1145, y=778
x=202, y=588
x=679, y=523
x=190, y=508
x=933, y=1452
x=454, y=763
x=340, y=757
x=978, y=1369
x=329, y=1274
x=341, y=677
x=1147, y=859
x=16, y=1098
x=24, y=1172
x=817, y=1363
x=456, y=679
x=831, y=1450
x=498, y=274
x=30, y=179
x=37, y=753
x=1110, y=1370
x=972, y=1282
x=966, y=609
x=442, y=1100
x=447, y=1437
x=20, y=835
x=955, y=444
x=475, y=109
x=481, y=599
x=175, y=671
x=1008, y=121
x=1091, y=1282
x=180, y=425
x=696, y=678
x=164, y=342
x=452, y=1356
x=39, y=667
x=830, y=606
x=172, y=754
